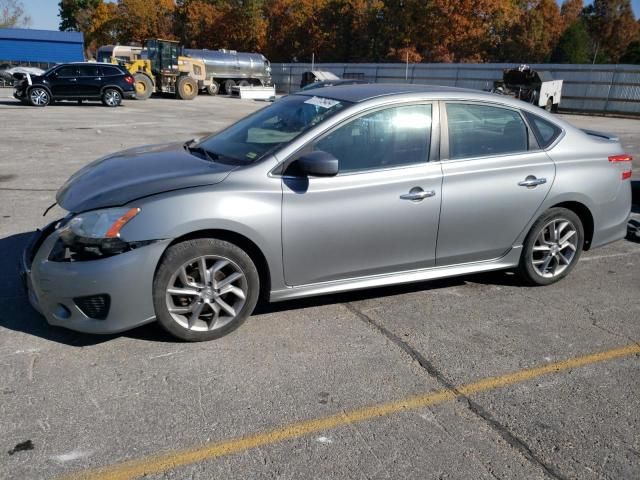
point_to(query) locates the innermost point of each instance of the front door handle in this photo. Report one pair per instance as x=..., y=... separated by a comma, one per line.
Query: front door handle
x=73, y=79
x=531, y=181
x=416, y=194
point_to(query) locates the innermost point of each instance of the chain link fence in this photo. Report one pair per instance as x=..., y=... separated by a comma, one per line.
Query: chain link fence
x=587, y=88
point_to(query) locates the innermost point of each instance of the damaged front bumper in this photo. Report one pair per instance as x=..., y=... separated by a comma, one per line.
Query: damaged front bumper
x=107, y=295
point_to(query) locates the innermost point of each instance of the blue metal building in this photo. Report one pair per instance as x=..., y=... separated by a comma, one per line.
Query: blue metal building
x=22, y=45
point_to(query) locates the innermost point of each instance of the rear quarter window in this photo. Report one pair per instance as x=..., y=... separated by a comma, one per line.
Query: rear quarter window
x=546, y=132
x=110, y=71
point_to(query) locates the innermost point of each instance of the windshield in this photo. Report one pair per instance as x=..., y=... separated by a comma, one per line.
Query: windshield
x=254, y=136
x=50, y=69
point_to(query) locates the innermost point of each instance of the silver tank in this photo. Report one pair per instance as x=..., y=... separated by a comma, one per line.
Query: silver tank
x=229, y=64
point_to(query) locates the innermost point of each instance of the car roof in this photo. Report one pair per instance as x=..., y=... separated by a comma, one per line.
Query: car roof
x=362, y=92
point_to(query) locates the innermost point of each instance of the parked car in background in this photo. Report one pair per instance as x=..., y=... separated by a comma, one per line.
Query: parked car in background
x=325, y=191
x=333, y=83
x=77, y=81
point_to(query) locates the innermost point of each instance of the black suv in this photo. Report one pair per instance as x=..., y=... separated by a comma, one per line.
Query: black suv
x=77, y=81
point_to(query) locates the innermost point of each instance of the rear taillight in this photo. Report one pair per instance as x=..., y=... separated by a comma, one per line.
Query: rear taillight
x=620, y=158
x=626, y=174
x=129, y=79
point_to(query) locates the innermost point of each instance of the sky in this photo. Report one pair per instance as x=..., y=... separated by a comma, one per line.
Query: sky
x=44, y=13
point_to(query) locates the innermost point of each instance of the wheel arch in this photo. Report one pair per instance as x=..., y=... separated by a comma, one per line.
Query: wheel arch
x=586, y=217
x=245, y=243
x=116, y=87
x=45, y=87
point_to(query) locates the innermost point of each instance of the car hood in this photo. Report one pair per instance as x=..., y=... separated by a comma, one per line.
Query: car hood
x=139, y=172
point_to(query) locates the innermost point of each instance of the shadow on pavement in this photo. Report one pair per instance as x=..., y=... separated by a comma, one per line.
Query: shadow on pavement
x=16, y=312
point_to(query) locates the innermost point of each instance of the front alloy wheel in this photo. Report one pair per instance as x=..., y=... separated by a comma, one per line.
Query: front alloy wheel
x=206, y=293
x=204, y=289
x=552, y=247
x=39, y=97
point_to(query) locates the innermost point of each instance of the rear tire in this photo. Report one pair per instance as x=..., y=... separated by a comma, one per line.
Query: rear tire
x=187, y=88
x=228, y=84
x=552, y=247
x=111, y=97
x=244, y=83
x=196, y=307
x=144, y=86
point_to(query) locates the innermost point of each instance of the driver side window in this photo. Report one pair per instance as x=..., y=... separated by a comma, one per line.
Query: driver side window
x=383, y=139
x=66, y=72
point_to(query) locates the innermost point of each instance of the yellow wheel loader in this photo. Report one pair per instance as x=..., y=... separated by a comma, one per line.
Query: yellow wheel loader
x=160, y=68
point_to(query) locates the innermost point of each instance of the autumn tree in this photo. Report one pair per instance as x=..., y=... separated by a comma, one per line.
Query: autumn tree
x=462, y=30
x=570, y=11
x=12, y=14
x=142, y=19
x=292, y=29
x=613, y=26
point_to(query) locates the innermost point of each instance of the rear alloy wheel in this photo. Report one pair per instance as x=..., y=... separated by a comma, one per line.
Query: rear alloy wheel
x=187, y=88
x=204, y=289
x=214, y=88
x=228, y=84
x=552, y=248
x=39, y=97
x=111, y=97
x=144, y=86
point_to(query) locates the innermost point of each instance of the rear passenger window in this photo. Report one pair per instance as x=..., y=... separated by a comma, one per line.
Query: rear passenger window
x=483, y=130
x=384, y=139
x=90, y=71
x=545, y=131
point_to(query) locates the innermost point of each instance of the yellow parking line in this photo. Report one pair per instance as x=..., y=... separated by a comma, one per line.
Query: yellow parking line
x=172, y=460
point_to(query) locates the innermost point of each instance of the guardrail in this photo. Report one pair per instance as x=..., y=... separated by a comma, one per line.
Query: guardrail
x=586, y=88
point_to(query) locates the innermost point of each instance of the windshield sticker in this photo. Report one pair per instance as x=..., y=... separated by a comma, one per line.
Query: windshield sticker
x=322, y=102
x=252, y=155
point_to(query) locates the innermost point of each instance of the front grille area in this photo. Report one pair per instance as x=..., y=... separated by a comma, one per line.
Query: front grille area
x=94, y=306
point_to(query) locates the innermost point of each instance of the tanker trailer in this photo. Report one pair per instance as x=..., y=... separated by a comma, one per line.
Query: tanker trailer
x=227, y=68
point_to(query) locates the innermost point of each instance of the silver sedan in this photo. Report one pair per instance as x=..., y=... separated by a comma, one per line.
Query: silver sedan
x=331, y=190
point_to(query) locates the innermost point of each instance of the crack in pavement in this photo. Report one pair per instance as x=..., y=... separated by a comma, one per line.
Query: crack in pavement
x=512, y=440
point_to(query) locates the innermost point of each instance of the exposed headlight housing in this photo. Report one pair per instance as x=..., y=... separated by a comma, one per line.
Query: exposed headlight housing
x=95, y=234
x=101, y=224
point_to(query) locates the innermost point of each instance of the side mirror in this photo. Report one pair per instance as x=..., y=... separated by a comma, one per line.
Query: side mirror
x=317, y=164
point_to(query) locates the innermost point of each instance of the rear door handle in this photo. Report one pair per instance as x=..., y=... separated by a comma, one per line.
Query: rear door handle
x=532, y=181
x=416, y=194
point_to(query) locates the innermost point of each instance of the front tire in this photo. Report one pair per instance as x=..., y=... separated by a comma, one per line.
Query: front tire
x=111, y=97
x=39, y=97
x=552, y=247
x=204, y=289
